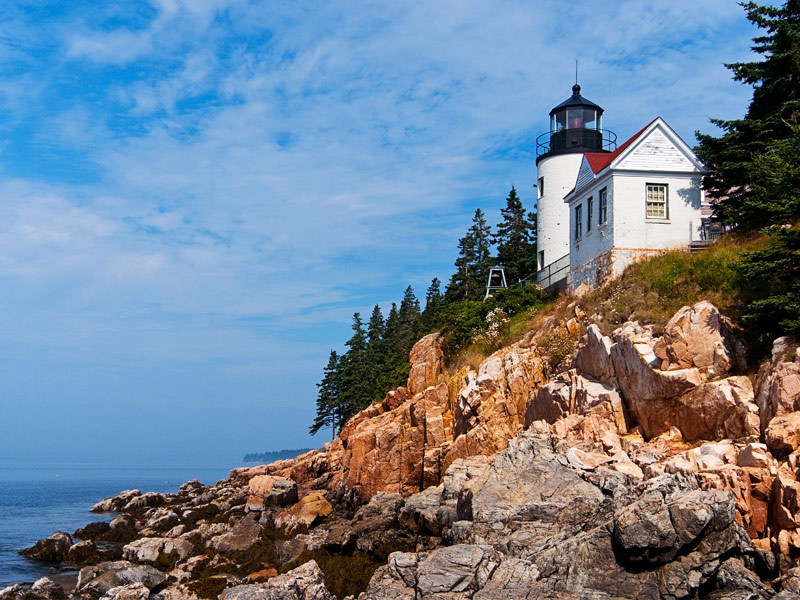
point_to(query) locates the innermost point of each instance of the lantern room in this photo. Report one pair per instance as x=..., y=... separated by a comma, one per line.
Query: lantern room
x=576, y=125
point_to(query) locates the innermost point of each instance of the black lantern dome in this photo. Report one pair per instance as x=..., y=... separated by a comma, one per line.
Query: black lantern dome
x=576, y=125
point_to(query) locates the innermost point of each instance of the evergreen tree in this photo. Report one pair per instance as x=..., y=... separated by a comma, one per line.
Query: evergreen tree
x=328, y=398
x=736, y=160
x=516, y=240
x=408, y=314
x=391, y=355
x=772, y=285
x=376, y=350
x=434, y=301
x=473, y=262
x=356, y=383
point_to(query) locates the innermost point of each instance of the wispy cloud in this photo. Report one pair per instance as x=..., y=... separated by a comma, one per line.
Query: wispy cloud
x=216, y=186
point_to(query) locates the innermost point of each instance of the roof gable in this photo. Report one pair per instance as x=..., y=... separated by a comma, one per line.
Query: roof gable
x=657, y=148
x=585, y=173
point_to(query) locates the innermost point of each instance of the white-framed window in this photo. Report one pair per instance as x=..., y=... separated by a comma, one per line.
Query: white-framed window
x=656, y=202
x=541, y=187
x=602, y=208
x=578, y=221
x=589, y=213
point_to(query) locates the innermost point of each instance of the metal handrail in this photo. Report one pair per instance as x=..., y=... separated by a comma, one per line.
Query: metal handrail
x=608, y=140
x=550, y=275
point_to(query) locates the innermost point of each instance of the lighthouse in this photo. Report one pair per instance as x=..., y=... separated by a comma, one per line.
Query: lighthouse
x=576, y=127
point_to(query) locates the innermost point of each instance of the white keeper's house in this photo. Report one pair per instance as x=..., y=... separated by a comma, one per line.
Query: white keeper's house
x=602, y=206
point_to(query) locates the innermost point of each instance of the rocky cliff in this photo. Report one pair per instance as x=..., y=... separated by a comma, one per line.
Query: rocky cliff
x=648, y=466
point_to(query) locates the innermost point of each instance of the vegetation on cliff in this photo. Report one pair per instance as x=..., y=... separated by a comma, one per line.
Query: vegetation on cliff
x=753, y=275
x=376, y=359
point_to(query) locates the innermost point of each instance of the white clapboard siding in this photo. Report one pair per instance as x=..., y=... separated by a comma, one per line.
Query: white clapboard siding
x=585, y=175
x=656, y=152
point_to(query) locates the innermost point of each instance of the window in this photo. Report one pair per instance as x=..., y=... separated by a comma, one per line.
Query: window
x=589, y=207
x=602, y=209
x=541, y=259
x=578, y=223
x=541, y=187
x=656, y=201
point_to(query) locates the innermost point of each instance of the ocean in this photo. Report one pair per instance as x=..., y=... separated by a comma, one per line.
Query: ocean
x=36, y=500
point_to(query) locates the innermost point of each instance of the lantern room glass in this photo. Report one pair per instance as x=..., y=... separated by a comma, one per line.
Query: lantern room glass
x=576, y=118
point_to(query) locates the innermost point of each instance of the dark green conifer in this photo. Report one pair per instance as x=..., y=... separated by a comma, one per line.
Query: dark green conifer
x=740, y=161
x=356, y=383
x=516, y=240
x=473, y=262
x=328, y=398
x=434, y=300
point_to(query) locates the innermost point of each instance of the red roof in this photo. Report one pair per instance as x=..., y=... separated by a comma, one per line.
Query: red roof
x=600, y=160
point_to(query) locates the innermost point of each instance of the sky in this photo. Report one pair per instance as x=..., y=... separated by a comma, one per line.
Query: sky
x=197, y=195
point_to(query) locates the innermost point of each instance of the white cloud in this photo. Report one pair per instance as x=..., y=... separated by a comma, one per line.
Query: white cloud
x=262, y=171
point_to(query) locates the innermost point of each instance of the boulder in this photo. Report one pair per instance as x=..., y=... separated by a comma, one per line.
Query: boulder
x=161, y=551
x=306, y=582
x=648, y=392
x=777, y=389
x=131, y=591
x=596, y=409
x=429, y=512
x=261, y=575
x=755, y=455
x=242, y=536
x=698, y=337
x=594, y=356
x=42, y=589
x=92, y=531
x=116, y=503
x=266, y=491
x=52, y=549
x=716, y=410
x=308, y=511
x=99, y=579
x=146, y=500
x=290, y=550
x=656, y=527
x=457, y=571
x=783, y=434
x=426, y=360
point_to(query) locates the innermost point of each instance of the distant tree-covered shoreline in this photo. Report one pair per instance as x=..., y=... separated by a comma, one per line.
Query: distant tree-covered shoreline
x=273, y=455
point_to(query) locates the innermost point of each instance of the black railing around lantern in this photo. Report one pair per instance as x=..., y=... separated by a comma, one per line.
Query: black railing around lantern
x=580, y=139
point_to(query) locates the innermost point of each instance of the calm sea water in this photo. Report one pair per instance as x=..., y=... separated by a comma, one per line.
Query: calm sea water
x=36, y=500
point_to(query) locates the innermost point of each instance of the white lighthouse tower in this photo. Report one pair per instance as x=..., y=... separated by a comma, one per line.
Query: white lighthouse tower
x=576, y=126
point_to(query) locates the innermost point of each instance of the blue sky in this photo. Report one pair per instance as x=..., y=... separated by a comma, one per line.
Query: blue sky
x=196, y=195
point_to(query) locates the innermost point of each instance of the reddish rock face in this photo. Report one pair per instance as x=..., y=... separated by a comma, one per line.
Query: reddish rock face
x=269, y=490
x=778, y=383
x=698, y=337
x=639, y=405
x=783, y=434
x=405, y=443
x=306, y=512
x=427, y=361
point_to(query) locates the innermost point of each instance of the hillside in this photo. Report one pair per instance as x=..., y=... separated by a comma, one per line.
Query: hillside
x=611, y=448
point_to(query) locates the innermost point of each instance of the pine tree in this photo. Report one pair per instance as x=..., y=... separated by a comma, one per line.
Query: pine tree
x=473, y=262
x=328, y=398
x=409, y=322
x=356, y=385
x=376, y=350
x=434, y=301
x=391, y=355
x=516, y=240
x=735, y=178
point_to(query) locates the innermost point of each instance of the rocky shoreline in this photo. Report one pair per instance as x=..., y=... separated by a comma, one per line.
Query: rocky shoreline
x=646, y=466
